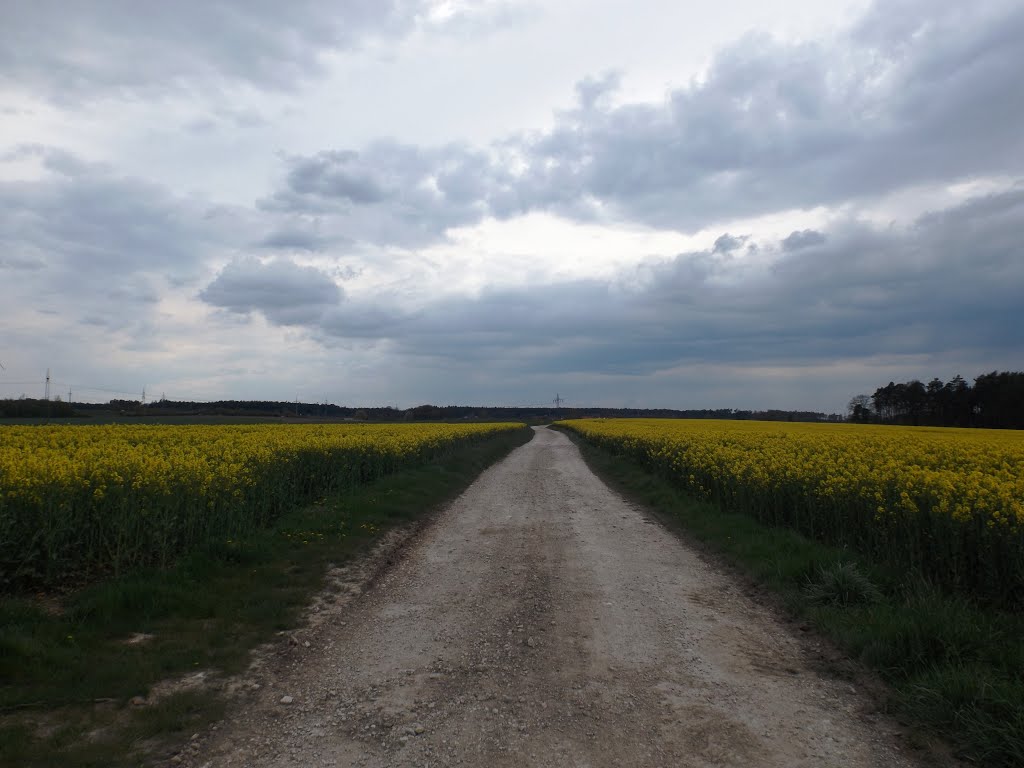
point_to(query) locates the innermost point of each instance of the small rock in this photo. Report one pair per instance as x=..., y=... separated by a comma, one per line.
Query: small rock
x=287, y=699
x=306, y=644
x=137, y=701
x=531, y=642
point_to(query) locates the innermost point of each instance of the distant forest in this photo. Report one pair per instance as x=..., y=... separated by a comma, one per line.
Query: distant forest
x=439, y=412
x=31, y=408
x=996, y=401
x=314, y=411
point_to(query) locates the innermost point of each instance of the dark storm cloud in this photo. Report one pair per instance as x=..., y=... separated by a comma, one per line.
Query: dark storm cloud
x=949, y=282
x=802, y=239
x=299, y=237
x=392, y=193
x=286, y=293
x=920, y=92
x=79, y=50
x=727, y=243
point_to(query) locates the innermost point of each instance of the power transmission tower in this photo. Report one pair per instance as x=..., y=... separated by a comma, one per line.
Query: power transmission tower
x=558, y=405
x=46, y=397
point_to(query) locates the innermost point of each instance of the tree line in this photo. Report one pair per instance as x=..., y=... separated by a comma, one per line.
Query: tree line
x=330, y=411
x=995, y=401
x=31, y=408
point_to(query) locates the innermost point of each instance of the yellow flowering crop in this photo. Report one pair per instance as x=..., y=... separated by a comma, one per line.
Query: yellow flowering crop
x=77, y=499
x=948, y=502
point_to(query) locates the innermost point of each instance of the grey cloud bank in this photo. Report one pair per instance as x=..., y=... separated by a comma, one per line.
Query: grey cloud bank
x=286, y=293
x=772, y=126
x=390, y=193
x=109, y=47
x=949, y=282
x=340, y=260
x=83, y=236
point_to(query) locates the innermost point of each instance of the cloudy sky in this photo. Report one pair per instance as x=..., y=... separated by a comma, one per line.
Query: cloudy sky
x=746, y=203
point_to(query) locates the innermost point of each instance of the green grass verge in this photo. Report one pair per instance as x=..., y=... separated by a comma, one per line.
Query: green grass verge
x=956, y=669
x=67, y=675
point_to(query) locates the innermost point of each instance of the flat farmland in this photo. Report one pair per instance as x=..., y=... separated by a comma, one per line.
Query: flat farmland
x=945, y=503
x=634, y=592
x=77, y=502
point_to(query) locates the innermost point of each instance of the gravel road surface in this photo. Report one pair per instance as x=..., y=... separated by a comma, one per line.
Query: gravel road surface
x=542, y=620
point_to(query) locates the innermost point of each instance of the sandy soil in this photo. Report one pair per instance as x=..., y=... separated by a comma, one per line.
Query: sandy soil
x=541, y=620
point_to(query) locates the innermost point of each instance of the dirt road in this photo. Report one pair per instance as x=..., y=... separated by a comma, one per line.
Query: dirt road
x=543, y=620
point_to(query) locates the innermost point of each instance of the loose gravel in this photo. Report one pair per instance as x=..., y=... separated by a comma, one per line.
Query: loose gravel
x=542, y=620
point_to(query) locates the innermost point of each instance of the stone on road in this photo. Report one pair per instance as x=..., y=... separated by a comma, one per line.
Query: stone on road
x=542, y=620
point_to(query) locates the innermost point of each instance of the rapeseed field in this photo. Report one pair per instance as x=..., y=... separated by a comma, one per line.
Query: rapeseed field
x=77, y=502
x=946, y=503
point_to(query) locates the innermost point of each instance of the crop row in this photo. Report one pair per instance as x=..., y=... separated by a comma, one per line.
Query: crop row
x=81, y=501
x=947, y=504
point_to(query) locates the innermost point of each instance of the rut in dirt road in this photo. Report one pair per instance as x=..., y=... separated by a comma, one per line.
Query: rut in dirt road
x=543, y=620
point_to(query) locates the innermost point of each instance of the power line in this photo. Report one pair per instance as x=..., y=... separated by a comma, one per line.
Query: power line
x=83, y=388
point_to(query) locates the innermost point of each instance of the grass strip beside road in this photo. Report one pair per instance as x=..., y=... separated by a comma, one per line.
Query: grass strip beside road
x=956, y=669
x=67, y=674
